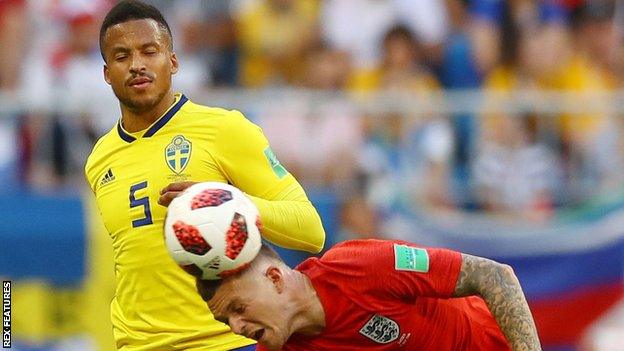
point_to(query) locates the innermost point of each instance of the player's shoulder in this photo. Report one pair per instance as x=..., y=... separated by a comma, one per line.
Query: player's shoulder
x=372, y=253
x=349, y=247
x=102, y=147
x=105, y=142
x=204, y=113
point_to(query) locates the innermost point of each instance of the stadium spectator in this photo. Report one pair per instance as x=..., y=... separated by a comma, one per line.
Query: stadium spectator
x=13, y=14
x=83, y=113
x=318, y=141
x=403, y=149
x=357, y=26
x=275, y=36
x=516, y=175
x=402, y=66
x=358, y=220
x=376, y=295
x=13, y=41
x=590, y=140
x=208, y=44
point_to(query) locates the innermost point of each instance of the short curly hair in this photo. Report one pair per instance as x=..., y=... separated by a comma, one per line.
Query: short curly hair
x=128, y=10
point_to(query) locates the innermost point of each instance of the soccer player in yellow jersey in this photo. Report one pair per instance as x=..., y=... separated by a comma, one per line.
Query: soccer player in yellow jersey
x=163, y=142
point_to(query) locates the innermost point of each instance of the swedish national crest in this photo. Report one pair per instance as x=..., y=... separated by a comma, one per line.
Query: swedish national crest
x=178, y=154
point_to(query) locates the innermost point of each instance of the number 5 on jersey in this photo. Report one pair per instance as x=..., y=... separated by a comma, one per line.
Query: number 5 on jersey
x=142, y=201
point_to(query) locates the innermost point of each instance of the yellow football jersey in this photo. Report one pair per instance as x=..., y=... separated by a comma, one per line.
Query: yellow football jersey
x=156, y=306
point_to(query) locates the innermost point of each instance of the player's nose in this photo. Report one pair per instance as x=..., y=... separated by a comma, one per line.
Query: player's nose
x=137, y=64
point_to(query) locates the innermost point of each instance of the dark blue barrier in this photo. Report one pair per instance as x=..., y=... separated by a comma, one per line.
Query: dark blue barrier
x=42, y=237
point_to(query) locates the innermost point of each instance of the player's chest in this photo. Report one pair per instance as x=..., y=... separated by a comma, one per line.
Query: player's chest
x=357, y=328
x=133, y=175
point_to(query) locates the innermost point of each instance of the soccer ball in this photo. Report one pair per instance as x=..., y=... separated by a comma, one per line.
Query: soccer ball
x=212, y=230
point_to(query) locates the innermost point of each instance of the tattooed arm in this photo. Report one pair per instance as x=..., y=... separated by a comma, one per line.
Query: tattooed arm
x=497, y=284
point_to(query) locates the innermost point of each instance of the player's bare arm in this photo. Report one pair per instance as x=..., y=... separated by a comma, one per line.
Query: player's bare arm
x=497, y=284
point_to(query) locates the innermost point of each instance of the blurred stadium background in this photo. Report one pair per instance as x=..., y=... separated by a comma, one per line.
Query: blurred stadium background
x=488, y=126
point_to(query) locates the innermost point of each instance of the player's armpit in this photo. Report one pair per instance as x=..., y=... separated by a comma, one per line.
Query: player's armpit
x=500, y=289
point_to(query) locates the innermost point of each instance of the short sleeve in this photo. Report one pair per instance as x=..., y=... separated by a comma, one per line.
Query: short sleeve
x=244, y=155
x=393, y=269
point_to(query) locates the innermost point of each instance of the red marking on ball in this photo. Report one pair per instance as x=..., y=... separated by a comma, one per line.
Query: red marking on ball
x=210, y=198
x=190, y=238
x=236, y=236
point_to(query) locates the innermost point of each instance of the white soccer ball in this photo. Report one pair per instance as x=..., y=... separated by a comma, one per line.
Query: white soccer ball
x=212, y=230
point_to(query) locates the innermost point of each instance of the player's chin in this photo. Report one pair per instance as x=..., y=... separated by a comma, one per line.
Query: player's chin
x=271, y=341
x=142, y=101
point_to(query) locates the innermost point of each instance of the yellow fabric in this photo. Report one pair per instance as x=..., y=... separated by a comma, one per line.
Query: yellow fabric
x=156, y=306
x=33, y=306
x=273, y=41
x=580, y=75
x=577, y=75
x=47, y=314
x=99, y=287
x=373, y=79
x=502, y=79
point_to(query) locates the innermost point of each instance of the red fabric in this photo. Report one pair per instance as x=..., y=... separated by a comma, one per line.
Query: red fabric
x=6, y=5
x=577, y=311
x=357, y=280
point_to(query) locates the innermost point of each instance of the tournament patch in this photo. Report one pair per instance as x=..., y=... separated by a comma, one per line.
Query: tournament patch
x=408, y=258
x=277, y=167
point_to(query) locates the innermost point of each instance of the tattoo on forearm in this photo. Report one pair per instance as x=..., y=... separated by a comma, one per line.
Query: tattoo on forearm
x=499, y=287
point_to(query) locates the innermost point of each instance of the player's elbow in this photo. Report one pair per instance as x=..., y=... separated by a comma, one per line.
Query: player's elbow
x=316, y=237
x=318, y=241
x=507, y=274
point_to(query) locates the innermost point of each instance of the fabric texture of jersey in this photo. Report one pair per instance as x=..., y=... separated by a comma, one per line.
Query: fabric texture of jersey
x=156, y=306
x=373, y=301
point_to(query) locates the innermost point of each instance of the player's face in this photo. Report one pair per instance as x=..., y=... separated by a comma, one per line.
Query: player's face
x=254, y=307
x=139, y=63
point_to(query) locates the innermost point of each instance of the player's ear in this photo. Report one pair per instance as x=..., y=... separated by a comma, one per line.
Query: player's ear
x=106, y=76
x=174, y=63
x=276, y=276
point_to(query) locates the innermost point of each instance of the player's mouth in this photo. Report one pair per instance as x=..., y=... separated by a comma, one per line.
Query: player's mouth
x=140, y=82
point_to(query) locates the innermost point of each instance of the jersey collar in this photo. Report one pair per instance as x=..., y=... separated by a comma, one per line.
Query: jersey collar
x=127, y=137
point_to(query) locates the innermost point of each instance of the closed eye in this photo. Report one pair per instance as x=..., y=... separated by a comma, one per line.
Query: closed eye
x=240, y=309
x=222, y=319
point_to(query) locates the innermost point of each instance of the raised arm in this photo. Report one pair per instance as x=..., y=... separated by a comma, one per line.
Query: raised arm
x=497, y=284
x=242, y=154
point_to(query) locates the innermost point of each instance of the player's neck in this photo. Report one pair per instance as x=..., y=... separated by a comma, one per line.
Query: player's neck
x=137, y=120
x=310, y=316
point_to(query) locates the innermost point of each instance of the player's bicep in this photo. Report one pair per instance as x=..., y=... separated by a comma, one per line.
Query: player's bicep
x=402, y=270
x=248, y=160
x=476, y=274
x=429, y=272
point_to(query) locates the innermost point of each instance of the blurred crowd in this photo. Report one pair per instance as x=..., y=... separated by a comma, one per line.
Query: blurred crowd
x=519, y=163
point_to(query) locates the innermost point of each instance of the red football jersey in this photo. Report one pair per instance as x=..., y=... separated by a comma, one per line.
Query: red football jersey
x=393, y=295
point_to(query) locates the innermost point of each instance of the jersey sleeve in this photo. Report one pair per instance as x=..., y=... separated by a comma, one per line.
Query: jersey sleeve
x=394, y=269
x=244, y=156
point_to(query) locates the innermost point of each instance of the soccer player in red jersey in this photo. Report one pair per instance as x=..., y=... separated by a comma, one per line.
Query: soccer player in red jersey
x=376, y=295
